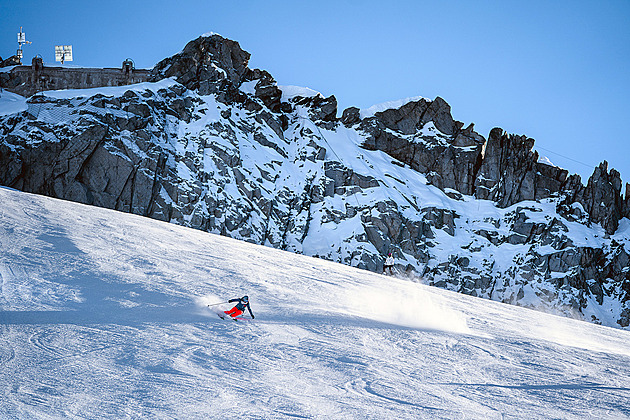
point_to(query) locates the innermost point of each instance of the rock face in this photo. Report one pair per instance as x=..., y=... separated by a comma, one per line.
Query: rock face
x=505, y=169
x=602, y=198
x=423, y=135
x=204, y=62
x=214, y=65
x=217, y=146
x=510, y=172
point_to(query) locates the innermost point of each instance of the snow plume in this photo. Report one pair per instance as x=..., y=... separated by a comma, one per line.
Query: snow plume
x=202, y=303
x=406, y=305
x=566, y=332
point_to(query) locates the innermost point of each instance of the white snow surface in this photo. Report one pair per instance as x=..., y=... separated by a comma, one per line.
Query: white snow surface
x=249, y=87
x=11, y=103
x=369, y=112
x=545, y=160
x=110, y=90
x=103, y=315
x=7, y=69
x=290, y=92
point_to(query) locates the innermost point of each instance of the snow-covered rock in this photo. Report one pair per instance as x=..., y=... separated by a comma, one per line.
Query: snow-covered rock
x=217, y=146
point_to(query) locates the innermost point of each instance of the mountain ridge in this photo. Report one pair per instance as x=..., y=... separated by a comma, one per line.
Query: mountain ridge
x=211, y=144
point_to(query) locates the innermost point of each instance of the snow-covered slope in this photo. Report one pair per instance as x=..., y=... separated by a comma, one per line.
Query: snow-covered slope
x=103, y=314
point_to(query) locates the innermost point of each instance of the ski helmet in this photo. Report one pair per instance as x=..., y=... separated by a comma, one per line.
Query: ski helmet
x=245, y=299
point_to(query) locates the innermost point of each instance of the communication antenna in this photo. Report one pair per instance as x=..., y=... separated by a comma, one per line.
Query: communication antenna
x=21, y=41
x=63, y=53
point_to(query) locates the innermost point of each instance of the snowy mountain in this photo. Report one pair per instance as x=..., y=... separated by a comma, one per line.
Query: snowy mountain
x=214, y=145
x=104, y=315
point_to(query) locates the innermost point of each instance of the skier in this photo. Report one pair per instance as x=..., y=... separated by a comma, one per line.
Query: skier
x=239, y=308
x=389, y=264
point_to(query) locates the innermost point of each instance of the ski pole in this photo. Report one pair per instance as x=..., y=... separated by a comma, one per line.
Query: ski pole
x=215, y=304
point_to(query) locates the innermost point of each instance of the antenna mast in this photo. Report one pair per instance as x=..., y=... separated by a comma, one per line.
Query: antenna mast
x=21, y=41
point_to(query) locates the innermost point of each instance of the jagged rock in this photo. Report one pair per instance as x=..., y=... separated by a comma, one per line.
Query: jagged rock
x=216, y=65
x=351, y=116
x=441, y=219
x=343, y=177
x=407, y=119
x=266, y=89
x=440, y=113
x=92, y=168
x=320, y=109
x=600, y=201
x=450, y=161
x=205, y=59
x=602, y=197
x=510, y=171
x=412, y=116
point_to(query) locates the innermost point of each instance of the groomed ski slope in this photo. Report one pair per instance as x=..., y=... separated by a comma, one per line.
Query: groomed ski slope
x=103, y=315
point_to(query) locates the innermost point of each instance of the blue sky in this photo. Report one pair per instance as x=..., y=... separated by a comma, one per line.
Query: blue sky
x=555, y=71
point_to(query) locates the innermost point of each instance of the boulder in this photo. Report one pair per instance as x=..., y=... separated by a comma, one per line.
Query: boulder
x=320, y=109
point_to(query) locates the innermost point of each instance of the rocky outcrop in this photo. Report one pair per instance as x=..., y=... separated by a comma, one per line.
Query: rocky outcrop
x=510, y=171
x=204, y=63
x=423, y=135
x=505, y=169
x=351, y=116
x=602, y=198
x=599, y=202
x=216, y=65
x=90, y=162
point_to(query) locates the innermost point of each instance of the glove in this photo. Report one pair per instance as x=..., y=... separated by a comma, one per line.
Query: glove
x=253, y=317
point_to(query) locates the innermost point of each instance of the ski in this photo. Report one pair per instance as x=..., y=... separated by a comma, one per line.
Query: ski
x=235, y=318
